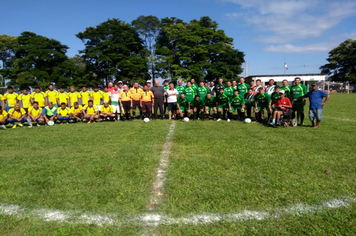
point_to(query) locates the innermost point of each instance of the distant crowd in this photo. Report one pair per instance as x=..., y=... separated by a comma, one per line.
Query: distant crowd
x=203, y=100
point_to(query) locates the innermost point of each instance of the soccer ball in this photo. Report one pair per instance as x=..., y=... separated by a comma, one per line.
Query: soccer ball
x=186, y=119
x=50, y=123
x=146, y=120
x=248, y=120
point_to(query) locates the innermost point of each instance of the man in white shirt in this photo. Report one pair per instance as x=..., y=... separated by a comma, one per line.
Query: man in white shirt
x=270, y=87
x=115, y=103
x=171, y=98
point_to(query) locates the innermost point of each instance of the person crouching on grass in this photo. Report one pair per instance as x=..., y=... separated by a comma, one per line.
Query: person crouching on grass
x=77, y=112
x=107, y=112
x=34, y=114
x=63, y=113
x=316, y=104
x=3, y=118
x=17, y=114
x=90, y=112
x=49, y=113
x=281, y=105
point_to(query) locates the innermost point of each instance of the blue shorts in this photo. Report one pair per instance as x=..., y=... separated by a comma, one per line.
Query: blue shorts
x=315, y=114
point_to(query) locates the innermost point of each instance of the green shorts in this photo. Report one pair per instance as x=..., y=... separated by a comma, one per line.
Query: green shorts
x=223, y=106
x=209, y=108
x=233, y=109
x=298, y=107
x=183, y=109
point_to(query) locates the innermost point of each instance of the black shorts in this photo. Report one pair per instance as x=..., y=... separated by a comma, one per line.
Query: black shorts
x=49, y=117
x=136, y=104
x=147, y=106
x=126, y=105
x=172, y=106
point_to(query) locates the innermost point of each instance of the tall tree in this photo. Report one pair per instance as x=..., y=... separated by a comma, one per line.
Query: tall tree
x=342, y=62
x=148, y=28
x=114, y=49
x=167, y=48
x=7, y=52
x=38, y=61
x=197, y=49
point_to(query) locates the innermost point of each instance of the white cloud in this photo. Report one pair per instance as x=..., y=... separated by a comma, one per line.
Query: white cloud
x=289, y=48
x=288, y=21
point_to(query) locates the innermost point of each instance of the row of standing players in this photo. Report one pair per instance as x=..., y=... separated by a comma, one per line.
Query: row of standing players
x=202, y=98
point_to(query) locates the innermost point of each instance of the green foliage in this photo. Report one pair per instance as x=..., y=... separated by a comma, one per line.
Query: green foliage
x=7, y=52
x=342, y=62
x=114, y=49
x=148, y=28
x=196, y=49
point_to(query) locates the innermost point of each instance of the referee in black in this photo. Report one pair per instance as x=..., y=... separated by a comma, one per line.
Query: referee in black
x=158, y=92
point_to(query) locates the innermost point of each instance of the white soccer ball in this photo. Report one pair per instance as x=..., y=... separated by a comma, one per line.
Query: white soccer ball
x=50, y=123
x=146, y=120
x=186, y=119
x=248, y=120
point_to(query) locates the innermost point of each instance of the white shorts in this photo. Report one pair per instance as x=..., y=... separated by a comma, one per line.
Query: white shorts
x=116, y=108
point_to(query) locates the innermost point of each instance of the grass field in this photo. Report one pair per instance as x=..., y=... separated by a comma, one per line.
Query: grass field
x=218, y=173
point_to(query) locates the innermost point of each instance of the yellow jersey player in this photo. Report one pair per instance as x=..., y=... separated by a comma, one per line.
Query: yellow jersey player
x=40, y=97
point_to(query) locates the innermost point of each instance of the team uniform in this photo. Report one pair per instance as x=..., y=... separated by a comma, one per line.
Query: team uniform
x=243, y=88
x=202, y=92
x=295, y=92
x=286, y=90
x=195, y=88
x=25, y=101
x=97, y=97
x=17, y=114
x=74, y=97
x=197, y=104
x=146, y=100
x=222, y=101
x=114, y=97
x=75, y=111
x=85, y=97
x=3, y=118
x=125, y=98
x=217, y=88
x=209, y=103
x=48, y=112
x=90, y=111
x=183, y=104
x=180, y=89
x=64, y=114
x=257, y=87
x=270, y=89
x=106, y=96
x=189, y=94
x=237, y=103
x=40, y=98
x=229, y=91
x=11, y=99
x=274, y=97
x=262, y=101
x=63, y=98
x=52, y=97
x=135, y=96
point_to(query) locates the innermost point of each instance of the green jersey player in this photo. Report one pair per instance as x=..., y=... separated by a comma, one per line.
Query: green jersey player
x=210, y=103
x=243, y=87
x=194, y=85
x=202, y=91
x=189, y=92
x=298, y=90
x=222, y=103
x=286, y=88
x=238, y=104
x=262, y=101
x=180, y=88
x=198, y=106
x=275, y=94
x=183, y=106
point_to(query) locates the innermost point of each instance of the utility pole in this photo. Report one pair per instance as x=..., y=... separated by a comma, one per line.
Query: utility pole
x=246, y=68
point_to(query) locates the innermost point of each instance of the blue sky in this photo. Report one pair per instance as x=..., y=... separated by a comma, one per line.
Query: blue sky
x=267, y=31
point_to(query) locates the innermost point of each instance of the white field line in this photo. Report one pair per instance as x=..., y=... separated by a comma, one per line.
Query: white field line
x=334, y=118
x=150, y=220
x=158, y=185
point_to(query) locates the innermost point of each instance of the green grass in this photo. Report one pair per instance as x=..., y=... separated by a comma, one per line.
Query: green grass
x=214, y=168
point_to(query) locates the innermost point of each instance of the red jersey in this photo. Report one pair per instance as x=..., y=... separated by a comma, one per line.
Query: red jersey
x=285, y=101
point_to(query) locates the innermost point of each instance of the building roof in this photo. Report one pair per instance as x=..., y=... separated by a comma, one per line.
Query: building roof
x=284, y=75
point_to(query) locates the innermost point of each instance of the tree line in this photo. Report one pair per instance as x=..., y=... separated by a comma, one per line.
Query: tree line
x=148, y=48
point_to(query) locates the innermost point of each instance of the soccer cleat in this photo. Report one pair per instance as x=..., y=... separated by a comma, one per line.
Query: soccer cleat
x=4, y=127
x=14, y=126
x=218, y=119
x=20, y=125
x=228, y=120
x=272, y=123
x=38, y=125
x=29, y=126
